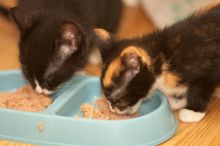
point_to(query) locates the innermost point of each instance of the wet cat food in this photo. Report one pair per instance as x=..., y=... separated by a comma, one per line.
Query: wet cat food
x=24, y=99
x=102, y=111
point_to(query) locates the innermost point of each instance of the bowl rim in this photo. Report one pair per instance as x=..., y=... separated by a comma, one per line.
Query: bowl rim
x=161, y=106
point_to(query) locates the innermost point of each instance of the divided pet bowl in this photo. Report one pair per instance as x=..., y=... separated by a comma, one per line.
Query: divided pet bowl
x=59, y=127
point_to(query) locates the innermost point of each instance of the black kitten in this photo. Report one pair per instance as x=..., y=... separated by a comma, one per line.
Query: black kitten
x=55, y=34
x=183, y=61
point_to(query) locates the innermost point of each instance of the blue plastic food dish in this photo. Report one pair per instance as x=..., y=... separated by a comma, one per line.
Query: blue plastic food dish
x=58, y=127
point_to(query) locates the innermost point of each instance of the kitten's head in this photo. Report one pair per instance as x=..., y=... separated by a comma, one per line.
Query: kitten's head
x=126, y=76
x=51, y=50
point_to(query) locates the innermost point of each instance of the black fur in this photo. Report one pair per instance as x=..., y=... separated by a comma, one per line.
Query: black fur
x=4, y=11
x=191, y=48
x=43, y=23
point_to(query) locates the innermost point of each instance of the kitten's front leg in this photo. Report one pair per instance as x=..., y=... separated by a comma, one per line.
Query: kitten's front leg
x=197, y=100
x=187, y=115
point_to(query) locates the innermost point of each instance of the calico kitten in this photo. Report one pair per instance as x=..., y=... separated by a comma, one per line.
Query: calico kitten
x=182, y=60
x=55, y=34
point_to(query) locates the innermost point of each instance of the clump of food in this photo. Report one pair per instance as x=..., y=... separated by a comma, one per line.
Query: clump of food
x=103, y=111
x=25, y=99
x=90, y=112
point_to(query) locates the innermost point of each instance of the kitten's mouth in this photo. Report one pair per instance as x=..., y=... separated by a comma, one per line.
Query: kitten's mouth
x=129, y=110
x=124, y=112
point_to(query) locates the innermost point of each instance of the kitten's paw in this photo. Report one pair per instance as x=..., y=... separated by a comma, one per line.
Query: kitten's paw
x=186, y=115
x=176, y=104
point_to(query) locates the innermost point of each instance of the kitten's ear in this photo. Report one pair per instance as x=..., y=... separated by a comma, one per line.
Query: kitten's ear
x=104, y=42
x=102, y=34
x=69, y=38
x=22, y=18
x=131, y=64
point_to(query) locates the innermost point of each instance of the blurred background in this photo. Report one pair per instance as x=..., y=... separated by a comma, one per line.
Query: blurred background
x=139, y=17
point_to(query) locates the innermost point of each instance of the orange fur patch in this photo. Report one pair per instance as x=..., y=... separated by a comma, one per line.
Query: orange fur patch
x=138, y=51
x=102, y=34
x=168, y=82
x=115, y=66
x=113, y=69
x=171, y=79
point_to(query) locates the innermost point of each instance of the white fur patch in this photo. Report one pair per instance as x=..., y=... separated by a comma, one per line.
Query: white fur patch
x=59, y=59
x=40, y=90
x=66, y=51
x=176, y=104
x=186, y=115
x=47, y=92
x=169, y=91
x=68, y=35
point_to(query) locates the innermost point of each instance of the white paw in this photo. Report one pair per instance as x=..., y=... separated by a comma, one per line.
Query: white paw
x=176, y=104
x=186, y=115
